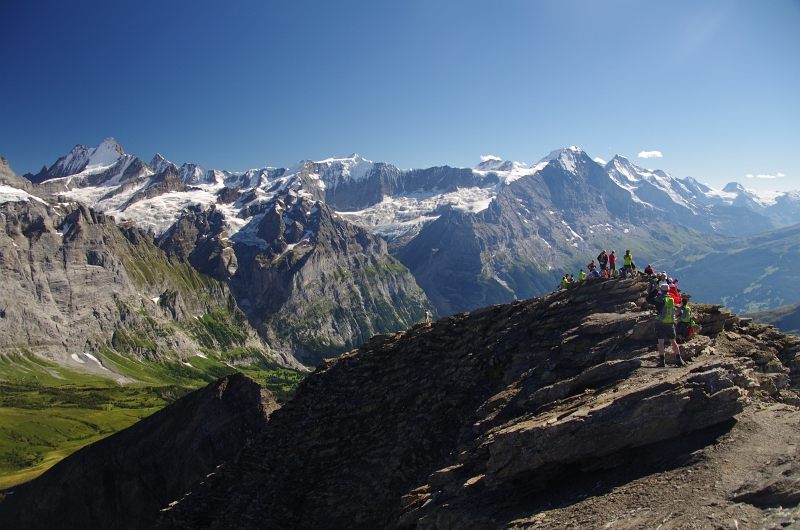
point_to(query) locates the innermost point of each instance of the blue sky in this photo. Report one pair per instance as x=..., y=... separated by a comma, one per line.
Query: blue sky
x=713, y=86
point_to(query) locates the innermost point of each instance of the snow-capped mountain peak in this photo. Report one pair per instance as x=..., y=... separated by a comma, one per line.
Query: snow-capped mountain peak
x=733, y=187
x=159, y=163
x=104, y=155
x=353, y=167
x=625, y=167
x=567, y=158
x=493, y=163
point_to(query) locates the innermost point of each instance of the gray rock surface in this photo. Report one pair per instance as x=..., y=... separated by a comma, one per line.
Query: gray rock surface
x=321, y=286
x=75, y=282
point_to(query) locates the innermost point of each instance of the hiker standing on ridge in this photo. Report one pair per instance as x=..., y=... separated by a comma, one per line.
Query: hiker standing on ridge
x=602, y=259
x=612, y=263
x=665, y=325
x=627, y=260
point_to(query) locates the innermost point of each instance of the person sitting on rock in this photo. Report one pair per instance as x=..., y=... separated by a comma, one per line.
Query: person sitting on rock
x=665, y=325
x=564, y=281
x=581, y=275
x=649, y=270
x=591, y=266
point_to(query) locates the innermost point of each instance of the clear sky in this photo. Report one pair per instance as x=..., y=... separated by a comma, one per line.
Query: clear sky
x=714, y=86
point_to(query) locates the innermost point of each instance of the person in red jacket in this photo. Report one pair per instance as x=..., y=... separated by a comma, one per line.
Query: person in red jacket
x=673, y=291
x=612, y=263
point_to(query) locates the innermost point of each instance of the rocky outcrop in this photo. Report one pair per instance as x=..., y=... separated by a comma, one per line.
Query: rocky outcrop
x=466, y=422
x=122, y=481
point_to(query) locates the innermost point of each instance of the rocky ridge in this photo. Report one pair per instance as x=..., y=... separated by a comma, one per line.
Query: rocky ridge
x=122, y=481
x=471, y=422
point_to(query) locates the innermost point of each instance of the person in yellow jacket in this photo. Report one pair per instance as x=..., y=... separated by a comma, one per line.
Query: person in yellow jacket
x=627, y=260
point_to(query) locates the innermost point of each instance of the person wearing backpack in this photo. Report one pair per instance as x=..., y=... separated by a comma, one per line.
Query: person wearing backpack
x=652, y=290
x=665, y=325
x=602, y=259
x=685, y=328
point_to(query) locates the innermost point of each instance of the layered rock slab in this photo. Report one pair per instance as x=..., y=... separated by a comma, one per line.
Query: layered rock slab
x=121, y=482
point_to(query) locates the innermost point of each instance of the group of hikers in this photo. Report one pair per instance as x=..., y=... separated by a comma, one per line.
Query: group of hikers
x=607, y=268
x=673, y=314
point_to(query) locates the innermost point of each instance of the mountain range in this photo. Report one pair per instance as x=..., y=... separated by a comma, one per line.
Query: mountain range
x=322, y=255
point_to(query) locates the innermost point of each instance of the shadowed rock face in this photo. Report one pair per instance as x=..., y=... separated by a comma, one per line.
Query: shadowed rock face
x=122, y=481
x=435, y=426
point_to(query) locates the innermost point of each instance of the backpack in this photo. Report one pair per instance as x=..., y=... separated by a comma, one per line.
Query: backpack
x=665, y=316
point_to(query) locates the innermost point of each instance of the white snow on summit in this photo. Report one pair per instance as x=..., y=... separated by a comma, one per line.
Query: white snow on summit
x=336, y=170
x=567, y=158
x=103, y=156
x=506, y=171
x=632, y=177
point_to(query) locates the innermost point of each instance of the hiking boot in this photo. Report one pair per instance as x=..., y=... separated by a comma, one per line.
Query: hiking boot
x=660, y=362
x=679, y=361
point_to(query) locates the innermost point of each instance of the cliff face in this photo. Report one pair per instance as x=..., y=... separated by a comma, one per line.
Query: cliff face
x=320, y=285
x=75, y=282
x=465, y=423
x=122, y=481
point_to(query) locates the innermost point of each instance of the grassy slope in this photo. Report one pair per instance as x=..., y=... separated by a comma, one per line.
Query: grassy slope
x=752, y=274
x=47, y=412
x=786, y=318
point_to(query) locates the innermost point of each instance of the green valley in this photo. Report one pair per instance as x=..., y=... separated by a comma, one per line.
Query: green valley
x=47, y=411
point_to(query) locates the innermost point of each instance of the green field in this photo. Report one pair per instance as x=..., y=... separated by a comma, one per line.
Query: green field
x=47, y=411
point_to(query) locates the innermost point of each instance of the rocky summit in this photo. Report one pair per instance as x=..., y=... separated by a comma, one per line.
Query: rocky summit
x=549, y=412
